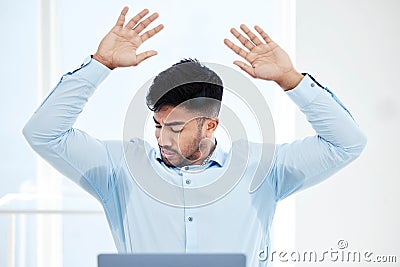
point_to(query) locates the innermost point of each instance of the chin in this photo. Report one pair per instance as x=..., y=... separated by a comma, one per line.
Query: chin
x=171, y=164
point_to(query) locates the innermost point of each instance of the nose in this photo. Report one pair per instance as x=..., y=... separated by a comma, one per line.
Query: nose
x=163, y=138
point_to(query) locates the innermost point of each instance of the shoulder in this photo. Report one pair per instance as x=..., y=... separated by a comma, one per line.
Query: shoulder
x=254, y=149
x=119, y=150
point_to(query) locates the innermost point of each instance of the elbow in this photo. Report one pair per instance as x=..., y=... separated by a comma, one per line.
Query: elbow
x=36, y=139
x=29, y=133
x=40, y=135
x=32, y=134
x=358, y=146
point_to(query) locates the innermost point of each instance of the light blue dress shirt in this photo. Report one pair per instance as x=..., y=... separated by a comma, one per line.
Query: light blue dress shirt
x=238, y=222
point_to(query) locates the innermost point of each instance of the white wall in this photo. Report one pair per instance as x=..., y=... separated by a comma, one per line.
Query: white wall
x=353, y=48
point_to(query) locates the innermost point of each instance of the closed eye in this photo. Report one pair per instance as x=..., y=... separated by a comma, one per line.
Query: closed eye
x=176, y=131
x=172, y=130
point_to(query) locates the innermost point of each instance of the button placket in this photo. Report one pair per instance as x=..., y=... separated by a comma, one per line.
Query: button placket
x=190, y=215
x=186, y=180
x=191, y=231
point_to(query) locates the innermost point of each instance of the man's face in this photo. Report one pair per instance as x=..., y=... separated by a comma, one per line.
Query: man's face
x=179, y=135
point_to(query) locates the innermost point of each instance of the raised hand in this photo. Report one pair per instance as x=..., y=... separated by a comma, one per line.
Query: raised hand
x=265, y=60
x=119, y=47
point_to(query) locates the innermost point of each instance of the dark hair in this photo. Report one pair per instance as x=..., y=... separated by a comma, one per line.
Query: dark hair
x=184, y=81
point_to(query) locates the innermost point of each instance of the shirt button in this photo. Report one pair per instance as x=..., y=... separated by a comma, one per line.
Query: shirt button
x=190, y=219
x=186, y=168
x=188, y=181
x=312, y=84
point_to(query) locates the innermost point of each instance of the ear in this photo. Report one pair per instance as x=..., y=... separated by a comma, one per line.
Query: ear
x=211, y=125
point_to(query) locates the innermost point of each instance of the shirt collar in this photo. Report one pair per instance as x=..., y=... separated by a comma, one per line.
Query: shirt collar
x=218, y=156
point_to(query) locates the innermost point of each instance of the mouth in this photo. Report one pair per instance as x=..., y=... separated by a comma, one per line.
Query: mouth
x=168, y=153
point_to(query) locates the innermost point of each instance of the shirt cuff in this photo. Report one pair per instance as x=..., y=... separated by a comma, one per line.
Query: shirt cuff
x=93, y=71
x=305, y=92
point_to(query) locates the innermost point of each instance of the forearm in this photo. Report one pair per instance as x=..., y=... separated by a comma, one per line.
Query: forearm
x=330, y=120
x=72, y=152
x=337, y=142
x=59, y=111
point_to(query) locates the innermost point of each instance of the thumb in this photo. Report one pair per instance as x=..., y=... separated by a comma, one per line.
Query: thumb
x=145, y=55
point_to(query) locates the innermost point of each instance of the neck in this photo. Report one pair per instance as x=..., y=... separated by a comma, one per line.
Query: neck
x=212, y=148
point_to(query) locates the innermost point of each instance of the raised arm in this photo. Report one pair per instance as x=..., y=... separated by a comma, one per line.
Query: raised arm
x=338, y=138
x=84, y=159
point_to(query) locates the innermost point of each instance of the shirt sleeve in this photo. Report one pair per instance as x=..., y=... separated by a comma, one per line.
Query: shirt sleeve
x=337, y=142
x=74, y=153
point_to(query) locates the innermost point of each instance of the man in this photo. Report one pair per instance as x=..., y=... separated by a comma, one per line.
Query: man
x=188, y=155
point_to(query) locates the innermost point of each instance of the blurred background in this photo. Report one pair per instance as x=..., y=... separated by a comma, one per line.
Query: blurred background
x=349, y=46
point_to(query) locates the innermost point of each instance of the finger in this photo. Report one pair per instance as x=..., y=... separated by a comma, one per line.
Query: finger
x=121, y=18
x=142, y=25
x=151, y=33
x=137, y=18
x=145, y=55
x=241, y=52
x=247, y=68
x=263, y=34
x=246, y=42
x=251, y=35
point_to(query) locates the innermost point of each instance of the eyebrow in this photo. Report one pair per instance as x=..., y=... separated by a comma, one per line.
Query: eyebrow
x=173, y=123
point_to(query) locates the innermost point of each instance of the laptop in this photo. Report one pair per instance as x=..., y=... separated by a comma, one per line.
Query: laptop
x=171, y=260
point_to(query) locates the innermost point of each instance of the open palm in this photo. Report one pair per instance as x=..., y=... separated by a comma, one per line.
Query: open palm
x=119, y=47
x=265, y=60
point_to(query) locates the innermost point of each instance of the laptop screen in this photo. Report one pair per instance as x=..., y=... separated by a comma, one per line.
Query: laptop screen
x=171, y=260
